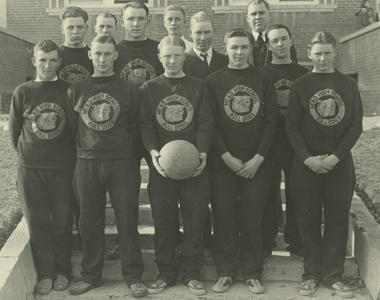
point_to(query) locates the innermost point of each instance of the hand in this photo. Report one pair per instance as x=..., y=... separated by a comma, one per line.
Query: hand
x=202, y=157
x=155, y=155
x=250, y=167
x=232, y=162
x=330, y=161
x=315, y=163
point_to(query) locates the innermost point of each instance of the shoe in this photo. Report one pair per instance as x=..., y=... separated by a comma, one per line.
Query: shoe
x=307, y=287
x=113, y=254
x=44, y=287
x=207, y=258
x=342, y=290
x=196, y=287
x=61, y=283
x=222, y=285
x=295, y=251
x=80, y=287
x=255, y=286
x=157, y=287
x=138, y=290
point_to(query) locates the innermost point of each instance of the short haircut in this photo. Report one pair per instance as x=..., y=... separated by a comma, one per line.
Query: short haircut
x=73, y=12
x=174, y=7
x=276, y=26
x=257, y=2
x=201, y=16
x=171, y=41
x=134, y=4
x=322, y=37
x=104, y=39
x=238, y=32
x=46, y=46
x=364, y=2
x=106, y=15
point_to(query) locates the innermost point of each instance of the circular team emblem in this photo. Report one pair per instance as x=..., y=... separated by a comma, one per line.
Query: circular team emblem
x=241, y=104
x=174, y=113
x=74, y=73
x=327, y=107
x=137, y=71
x=282, y=88
x=100, y=112
x=48, y=120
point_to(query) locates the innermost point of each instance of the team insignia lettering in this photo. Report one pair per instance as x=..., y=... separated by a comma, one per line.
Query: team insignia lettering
x=100, y=112
x=174, y=113
x=241, y=104
x=282, y=88
x=74, y=73
x=137, y=71
x=48, y=120
x=327, y=107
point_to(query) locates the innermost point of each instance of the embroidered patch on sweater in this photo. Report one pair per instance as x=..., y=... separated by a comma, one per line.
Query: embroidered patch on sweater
x=48, y=120
x=327, y=107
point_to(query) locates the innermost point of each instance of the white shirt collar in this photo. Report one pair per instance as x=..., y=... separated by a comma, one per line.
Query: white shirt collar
x=198, y=53
x=38, y=80
x=256, y=35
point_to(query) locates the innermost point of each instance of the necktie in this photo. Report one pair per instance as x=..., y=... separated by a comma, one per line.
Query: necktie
x=259, y=51
x=204, y=56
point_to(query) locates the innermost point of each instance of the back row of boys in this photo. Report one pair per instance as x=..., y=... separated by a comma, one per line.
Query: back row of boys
x=233, y=115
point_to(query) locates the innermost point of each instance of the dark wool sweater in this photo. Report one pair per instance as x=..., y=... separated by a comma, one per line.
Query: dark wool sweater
x=324, y=115
x=76, y=65
x=176, y=109
x=38, y=125
x=244, y=108
x=283, y=77
x=138, y=61
x=103, y=115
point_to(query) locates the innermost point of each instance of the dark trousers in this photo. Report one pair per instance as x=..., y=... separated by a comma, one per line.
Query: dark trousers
x=238, y=205
x=281, y=160
x=46, y=199
x=92, y=178
x=193, y=195
x=323, y=256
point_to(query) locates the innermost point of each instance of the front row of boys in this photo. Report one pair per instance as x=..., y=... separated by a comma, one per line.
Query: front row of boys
x=241, y=99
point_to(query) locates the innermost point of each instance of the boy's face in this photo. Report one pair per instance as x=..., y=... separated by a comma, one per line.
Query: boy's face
x=279, y=43
x=135, y=21
x=105, y=26
x=46, y=64
x=322, y=56
x=174, y=22
x=258, y=17
x=172, y=58
x=238, y=49
x=102, y=56
x=74, y=30
x=202, y=34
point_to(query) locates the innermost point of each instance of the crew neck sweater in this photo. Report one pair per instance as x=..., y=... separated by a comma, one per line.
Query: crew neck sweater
x=103, y=115
x=324, y=115
x=176, y=109
x=76, y=65
x=38, y=125
x=244, y=109
x=138, y=61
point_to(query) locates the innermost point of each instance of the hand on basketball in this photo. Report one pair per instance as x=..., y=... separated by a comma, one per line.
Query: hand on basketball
x=155, y=155
x=330, y=161
x=315, y=163
x=250, y=167
x=202, y=157
x=232, y=162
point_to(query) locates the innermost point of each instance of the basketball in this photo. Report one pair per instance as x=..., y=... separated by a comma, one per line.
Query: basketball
x=179, y=159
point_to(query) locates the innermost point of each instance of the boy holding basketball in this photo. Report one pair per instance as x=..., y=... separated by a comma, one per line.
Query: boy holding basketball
x=175, y=107
x=244, y=108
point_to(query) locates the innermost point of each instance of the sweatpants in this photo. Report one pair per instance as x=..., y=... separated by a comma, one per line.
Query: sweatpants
x=238, y=206
x=92, y=178
x=323, y=255
x=193, y=196
x=46, y=200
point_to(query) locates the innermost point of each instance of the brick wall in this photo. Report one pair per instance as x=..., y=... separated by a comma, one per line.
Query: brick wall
x=361, y=52
x=16, y=66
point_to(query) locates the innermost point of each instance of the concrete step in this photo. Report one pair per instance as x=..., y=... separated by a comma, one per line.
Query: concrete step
x=274, y=290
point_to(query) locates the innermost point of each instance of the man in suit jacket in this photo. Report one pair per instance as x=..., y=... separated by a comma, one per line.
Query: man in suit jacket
x=258, y=17
x=202, y=59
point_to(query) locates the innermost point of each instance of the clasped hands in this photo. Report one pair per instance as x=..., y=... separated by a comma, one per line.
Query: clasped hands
x=321, y=164
x=245, y=170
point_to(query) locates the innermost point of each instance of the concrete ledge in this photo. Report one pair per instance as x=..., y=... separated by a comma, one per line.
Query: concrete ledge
x=17, y=274
x=359, y=32
x=366, y=246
